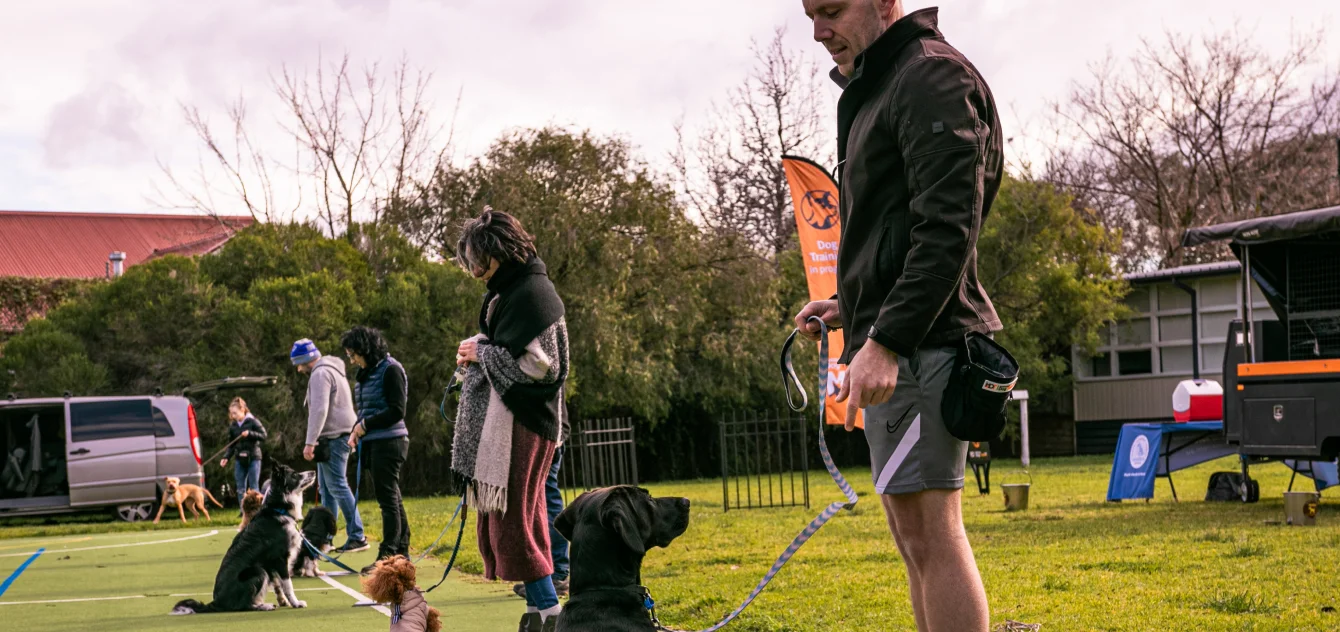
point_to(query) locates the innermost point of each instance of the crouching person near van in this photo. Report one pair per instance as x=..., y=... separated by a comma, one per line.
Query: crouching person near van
x=245, y=452
x=330, y=418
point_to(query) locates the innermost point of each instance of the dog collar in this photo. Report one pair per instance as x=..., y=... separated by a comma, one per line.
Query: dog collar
x=650, y=605
x=278, y=510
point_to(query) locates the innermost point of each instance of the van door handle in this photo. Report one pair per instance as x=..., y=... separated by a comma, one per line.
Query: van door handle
x=79, y=452
x=160, y=445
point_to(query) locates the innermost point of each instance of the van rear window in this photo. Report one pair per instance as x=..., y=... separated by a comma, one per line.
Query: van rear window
x=162, y=427
x=96, y=421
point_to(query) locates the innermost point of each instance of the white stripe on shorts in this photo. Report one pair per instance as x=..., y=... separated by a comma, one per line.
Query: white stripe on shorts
x=899, y=455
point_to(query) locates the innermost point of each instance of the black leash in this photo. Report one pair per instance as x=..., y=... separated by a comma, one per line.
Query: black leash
x=465, y=515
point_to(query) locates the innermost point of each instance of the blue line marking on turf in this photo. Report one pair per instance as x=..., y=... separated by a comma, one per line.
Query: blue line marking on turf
x=19, y=571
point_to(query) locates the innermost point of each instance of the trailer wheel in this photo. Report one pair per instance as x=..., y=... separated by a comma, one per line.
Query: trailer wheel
x=1253, y=491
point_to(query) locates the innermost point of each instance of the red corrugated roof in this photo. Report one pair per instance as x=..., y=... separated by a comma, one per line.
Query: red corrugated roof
x=76, y=245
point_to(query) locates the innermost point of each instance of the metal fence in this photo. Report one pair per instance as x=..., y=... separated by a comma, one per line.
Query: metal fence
x=762, y=456
x=599, y=453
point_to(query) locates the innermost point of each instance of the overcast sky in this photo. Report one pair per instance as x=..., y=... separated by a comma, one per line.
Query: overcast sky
x=90, y=89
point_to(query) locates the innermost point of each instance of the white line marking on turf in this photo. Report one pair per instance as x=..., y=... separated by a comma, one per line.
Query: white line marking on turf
x=117, y=546
x=354, y=593
x=20, y=603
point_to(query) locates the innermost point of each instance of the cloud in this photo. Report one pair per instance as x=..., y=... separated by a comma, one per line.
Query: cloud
x=99, y=125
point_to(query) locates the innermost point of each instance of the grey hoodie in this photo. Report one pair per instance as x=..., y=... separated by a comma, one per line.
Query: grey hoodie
x=330, y=405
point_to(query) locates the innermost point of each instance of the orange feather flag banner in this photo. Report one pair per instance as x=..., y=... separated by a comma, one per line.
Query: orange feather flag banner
x=814, y=195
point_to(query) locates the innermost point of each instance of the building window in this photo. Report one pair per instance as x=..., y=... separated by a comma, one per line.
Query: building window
x=1135, y=362
x=1175, y=360
x=1174, y=328
x=1101, y=365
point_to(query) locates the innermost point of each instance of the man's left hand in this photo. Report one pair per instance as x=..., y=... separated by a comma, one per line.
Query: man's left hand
x=871, y=378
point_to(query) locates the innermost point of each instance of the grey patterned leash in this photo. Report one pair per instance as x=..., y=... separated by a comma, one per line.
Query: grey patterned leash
x=789, y=378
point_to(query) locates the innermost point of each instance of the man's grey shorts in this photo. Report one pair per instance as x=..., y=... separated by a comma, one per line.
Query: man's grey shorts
x=910, y=449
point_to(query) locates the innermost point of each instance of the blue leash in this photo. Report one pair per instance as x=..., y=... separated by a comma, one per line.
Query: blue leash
x=789, y=378
x=317, y=552
x=443, y=533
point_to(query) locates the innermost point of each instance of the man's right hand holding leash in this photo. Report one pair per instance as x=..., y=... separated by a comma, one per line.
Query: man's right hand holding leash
x=872, y=374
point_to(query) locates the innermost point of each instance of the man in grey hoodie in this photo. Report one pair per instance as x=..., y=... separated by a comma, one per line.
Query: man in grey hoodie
x=330, y=418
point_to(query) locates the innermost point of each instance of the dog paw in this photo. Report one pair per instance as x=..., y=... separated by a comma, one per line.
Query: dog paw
x=300, y=604
x=265, y=607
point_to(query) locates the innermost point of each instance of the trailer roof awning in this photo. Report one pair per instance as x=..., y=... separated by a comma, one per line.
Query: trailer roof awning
x=1263, y=230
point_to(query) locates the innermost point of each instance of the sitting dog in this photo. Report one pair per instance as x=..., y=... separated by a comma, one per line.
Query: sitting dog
x=392, y=581
x=319, y=528
x=611, y=530
x=262, y=555
x=178, y=494
x=251, y=503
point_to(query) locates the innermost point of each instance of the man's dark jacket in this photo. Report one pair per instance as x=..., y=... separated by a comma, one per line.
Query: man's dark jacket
x=920, y=161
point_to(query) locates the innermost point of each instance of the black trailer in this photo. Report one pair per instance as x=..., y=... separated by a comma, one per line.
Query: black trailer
x=1282, y=390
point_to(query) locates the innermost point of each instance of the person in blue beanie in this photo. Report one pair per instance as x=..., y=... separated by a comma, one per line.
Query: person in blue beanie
x=330, y=421
x=380, y=394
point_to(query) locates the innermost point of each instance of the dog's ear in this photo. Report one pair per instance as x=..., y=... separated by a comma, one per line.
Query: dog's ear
x=617, y=514
x=565, y=522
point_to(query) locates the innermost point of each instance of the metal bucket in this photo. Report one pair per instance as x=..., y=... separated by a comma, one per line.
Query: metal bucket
x=1300, y=508
x=1016, y=494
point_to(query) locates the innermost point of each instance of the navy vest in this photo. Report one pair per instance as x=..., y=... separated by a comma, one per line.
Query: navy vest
x=370, y=399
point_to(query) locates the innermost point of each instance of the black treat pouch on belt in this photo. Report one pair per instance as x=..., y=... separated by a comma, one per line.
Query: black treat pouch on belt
x=243, y=457
x=321, y=453
x=978, y=389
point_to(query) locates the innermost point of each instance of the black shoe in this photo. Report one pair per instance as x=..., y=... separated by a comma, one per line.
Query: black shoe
x=353, y=546
x=561, y=587
x=367, y=570
x=550, y=624
x=531, y=622
x=520, y=590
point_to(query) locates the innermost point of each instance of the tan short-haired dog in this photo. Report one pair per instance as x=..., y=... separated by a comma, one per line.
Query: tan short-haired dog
x=178, y=494
x=251, y=503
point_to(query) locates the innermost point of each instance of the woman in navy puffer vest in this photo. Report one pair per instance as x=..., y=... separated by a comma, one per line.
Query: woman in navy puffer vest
x=380, y=393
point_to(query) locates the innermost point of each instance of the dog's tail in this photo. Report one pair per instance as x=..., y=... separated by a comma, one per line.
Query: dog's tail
x=191, y=606
x=211, y=497
x=434, y=620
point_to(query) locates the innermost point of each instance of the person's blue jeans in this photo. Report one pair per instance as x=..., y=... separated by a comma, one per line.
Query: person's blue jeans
x=558, y=546
x=540, y=594
x=335, y=493
x=246, y=476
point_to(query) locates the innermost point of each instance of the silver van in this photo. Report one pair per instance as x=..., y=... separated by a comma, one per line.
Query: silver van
x=66, y=454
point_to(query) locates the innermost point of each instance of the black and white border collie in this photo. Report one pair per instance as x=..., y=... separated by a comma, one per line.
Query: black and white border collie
x=263, y=554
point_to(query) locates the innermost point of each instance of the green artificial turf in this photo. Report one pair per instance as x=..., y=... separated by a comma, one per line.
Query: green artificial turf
x=1072, y=561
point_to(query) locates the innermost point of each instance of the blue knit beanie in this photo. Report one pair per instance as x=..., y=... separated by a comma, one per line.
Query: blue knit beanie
x=304, y=351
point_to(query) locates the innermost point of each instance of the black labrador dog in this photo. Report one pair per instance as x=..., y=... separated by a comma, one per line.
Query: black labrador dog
x=611, y=530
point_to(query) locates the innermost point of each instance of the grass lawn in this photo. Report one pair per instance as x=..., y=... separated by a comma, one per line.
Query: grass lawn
x=1071, y=562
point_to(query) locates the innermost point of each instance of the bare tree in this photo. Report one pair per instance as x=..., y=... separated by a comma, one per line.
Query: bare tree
x=365, y=141
x=1197, y=131
x=732, y=174
x=230, y=171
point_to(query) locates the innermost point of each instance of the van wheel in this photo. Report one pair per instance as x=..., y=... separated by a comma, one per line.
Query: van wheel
x=138, y=512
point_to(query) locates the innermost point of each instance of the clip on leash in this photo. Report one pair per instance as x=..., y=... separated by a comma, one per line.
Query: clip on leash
x=790, y=378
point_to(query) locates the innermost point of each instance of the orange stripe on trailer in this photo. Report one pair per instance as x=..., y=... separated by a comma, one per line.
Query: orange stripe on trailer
x=1299, y=367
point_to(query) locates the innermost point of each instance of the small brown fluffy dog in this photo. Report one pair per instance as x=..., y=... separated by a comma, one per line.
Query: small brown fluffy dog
x=251, y=503
x=393, y=581
x=179, y=495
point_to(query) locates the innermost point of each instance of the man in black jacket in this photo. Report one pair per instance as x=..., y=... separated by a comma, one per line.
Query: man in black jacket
x=920, y=161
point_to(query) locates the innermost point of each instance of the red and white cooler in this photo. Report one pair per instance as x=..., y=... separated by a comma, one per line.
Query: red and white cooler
x=1198, y=400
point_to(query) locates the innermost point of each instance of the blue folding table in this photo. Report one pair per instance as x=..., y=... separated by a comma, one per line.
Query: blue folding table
x=1152, y=450
x=1148, y=451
